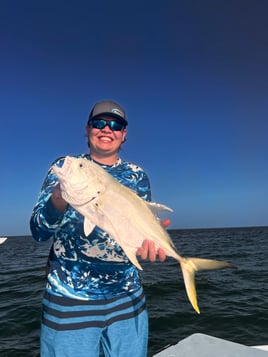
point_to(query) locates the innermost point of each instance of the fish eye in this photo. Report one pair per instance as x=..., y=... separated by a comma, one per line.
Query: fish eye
x=81, y=165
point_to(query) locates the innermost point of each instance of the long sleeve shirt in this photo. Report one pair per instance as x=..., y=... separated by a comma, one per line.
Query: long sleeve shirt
x=79, y=266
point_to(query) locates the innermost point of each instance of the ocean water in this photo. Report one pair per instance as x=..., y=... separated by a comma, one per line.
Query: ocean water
x=233, y=302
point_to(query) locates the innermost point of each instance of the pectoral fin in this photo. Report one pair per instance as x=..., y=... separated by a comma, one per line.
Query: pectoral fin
x=88, y=226
x=133, y=258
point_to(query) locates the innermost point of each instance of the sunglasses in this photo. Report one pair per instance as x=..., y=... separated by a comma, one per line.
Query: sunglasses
x=101, y=124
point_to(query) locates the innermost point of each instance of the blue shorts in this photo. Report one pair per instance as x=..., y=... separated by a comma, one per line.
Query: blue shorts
x=72, y=328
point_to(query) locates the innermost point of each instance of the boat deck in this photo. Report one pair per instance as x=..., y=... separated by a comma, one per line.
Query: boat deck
x=201, y=345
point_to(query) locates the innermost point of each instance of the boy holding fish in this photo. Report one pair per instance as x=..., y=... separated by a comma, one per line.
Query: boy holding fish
x=93, y=294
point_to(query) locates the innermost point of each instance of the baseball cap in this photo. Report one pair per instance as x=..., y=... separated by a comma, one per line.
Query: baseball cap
x=109, y=108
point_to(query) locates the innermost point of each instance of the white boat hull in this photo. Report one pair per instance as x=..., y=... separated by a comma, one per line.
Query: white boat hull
x=200, y=345
x=2, y=239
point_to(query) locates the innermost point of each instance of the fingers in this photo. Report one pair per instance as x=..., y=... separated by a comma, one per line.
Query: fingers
x=57, y=192
x=57, y=200
x=143, y=250
x=165, y=223
x=148, y=251
x=161, y=255
x=151, y=251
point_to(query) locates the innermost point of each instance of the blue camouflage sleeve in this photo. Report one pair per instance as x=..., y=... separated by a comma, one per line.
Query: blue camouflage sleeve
x=45, y=218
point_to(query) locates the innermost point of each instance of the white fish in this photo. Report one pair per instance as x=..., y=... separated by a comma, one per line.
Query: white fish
x=115, y=208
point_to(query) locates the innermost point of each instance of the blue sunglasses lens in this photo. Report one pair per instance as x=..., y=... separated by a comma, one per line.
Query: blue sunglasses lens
x=101, y=123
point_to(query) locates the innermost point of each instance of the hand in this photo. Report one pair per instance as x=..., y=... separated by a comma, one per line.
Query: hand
x=148, y=251
x=57, y=200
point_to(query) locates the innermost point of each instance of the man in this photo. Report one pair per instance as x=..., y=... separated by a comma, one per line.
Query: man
x=93, y=295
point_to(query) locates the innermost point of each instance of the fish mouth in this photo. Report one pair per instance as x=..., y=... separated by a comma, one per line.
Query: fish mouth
x=78, y=187
x=79, y=199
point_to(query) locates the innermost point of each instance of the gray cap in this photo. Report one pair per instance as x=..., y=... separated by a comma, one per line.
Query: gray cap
x=109, y=108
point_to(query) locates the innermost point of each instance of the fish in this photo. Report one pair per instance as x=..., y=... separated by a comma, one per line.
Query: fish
x=129, y=219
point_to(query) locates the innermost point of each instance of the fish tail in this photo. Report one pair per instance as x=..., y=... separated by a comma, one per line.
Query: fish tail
x=189, y=266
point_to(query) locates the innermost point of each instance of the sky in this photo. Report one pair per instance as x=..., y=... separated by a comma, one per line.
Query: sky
x=191, y=75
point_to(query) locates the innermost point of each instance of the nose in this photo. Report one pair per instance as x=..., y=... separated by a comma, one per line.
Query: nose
x=106, y=128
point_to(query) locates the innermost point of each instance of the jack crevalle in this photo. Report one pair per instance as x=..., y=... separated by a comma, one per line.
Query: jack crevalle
x=106, y=203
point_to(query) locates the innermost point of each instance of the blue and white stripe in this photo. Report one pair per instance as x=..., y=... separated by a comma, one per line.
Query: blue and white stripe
x=62, y=313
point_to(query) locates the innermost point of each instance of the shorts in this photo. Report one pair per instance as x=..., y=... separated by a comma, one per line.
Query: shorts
x=72, y=328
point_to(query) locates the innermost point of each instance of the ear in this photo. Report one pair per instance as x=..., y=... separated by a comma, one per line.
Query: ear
x=87, y=129
x=124, y=135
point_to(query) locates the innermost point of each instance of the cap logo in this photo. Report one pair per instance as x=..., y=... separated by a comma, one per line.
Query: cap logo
x=118, y=112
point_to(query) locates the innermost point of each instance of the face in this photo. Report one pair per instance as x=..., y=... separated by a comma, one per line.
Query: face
x=105, y=143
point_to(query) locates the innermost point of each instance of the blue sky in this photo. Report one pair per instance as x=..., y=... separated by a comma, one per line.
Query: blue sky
x=192, y=76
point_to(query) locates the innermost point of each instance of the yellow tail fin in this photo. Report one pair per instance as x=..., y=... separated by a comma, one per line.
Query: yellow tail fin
x=189, y=266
